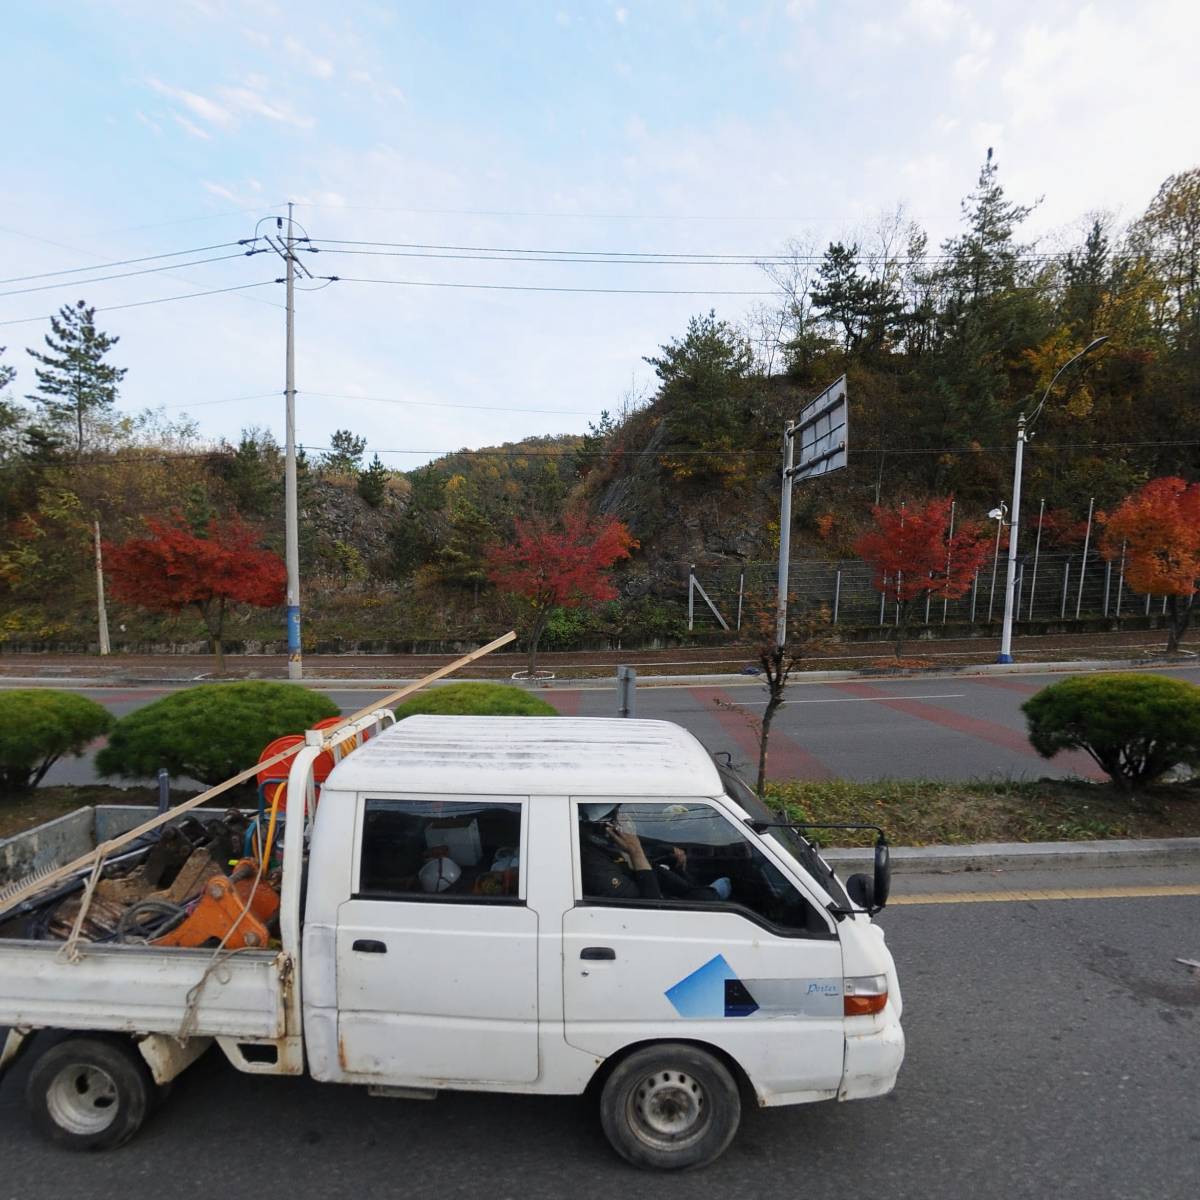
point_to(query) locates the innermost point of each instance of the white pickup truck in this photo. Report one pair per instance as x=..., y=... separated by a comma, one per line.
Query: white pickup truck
x=533, y=905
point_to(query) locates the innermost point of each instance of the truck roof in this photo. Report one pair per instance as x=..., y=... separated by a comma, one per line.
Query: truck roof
x=528, y=756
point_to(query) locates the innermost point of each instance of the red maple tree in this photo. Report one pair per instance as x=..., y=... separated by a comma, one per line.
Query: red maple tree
x=548, y=567
x=1157, y=530
x=175, y=568
x=915, y=555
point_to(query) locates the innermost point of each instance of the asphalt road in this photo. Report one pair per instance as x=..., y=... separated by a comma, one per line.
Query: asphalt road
x=928, y=727
x=1052, y=1051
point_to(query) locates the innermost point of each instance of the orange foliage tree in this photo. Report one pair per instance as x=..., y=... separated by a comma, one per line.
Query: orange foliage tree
x=546, y=567
x=175, y=568
x=1157, y=529
x=915, y=555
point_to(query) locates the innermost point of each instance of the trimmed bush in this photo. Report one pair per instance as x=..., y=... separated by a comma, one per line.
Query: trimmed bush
x=476, y=700
x=210, y=732
x=1136, y=727
x=38, y=726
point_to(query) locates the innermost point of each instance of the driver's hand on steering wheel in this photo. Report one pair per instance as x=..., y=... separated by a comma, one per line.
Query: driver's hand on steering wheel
x=680, y=857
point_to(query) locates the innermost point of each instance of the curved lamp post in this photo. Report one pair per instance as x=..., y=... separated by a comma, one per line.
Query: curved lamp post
x=1024, y=433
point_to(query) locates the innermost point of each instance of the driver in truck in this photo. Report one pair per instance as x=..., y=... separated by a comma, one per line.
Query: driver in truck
x=615, y=865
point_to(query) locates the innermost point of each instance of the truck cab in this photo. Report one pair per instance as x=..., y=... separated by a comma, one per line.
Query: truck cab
x=474, y=920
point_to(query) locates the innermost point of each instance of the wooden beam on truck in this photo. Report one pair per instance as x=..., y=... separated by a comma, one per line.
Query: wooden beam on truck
x=329, y=738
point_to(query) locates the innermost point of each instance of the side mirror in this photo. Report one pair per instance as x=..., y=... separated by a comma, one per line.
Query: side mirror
x=882, y=884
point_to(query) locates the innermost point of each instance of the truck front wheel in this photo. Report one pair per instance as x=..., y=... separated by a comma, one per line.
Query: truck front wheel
x=671, y=1107
x=89, y=1093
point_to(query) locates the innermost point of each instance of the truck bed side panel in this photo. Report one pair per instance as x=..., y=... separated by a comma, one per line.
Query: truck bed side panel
x=142, y=989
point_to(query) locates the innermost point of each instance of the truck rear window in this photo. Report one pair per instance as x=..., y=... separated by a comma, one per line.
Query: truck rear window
x=432, y=849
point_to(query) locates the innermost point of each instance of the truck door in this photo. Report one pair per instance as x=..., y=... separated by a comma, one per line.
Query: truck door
x=733, y=953
x=436, y=947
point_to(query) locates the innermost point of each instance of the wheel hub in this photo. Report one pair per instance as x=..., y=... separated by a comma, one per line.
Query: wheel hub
x=82, y=1099
x=669, y=1107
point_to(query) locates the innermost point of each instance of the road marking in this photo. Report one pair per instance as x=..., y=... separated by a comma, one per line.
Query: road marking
x=1131, y=891
x=861, y=699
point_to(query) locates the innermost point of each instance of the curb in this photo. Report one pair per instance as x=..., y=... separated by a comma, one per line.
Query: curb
x=1025, y=856
x=608, y=682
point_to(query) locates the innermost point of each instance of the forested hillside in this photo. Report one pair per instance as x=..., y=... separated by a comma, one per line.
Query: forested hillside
x=942, y=345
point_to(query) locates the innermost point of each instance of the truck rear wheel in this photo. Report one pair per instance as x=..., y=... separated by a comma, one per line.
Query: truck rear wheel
x=89, y=1093
x=671, y=1107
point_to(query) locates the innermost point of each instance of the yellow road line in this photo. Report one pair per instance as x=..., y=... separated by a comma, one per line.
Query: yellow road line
x=1097, y=893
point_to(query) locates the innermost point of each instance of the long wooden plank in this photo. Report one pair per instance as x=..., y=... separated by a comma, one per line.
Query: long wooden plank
x=329, y=738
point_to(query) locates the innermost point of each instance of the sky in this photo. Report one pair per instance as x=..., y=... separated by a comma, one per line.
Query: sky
x=688, y=128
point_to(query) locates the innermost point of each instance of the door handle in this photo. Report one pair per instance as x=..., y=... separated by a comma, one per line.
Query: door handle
x=604, y=953
x=369, y=946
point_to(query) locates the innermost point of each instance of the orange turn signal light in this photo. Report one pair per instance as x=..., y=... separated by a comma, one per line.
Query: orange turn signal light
x=863, y=995
x=864, y=1006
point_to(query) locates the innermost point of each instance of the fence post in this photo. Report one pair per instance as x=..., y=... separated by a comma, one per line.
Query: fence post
x=1121, y=580
x=691, y=597
x=1107, y=583
x=1147, y=604
x=995, y=564
x=626, y=689
x=837, y=594
x=164, y=789
x=1087, y=541
x=741, y=593
x=883, y=600
x=1066, y=577
x=974, y=593
x=949, y=541
x=1037, y=550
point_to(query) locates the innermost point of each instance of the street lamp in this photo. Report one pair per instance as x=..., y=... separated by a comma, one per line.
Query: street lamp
x=1024, y=433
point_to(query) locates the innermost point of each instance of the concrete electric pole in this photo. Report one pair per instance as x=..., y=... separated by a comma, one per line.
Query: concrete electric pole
x=292, y=518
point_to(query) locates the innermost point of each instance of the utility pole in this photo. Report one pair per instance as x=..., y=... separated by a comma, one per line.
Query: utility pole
x=292, y=534
x=283, y=245
x=785, y=533
x=102, y=612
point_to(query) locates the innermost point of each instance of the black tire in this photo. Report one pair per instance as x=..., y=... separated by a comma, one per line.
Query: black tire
x=90, y=1093
x=670, y=1107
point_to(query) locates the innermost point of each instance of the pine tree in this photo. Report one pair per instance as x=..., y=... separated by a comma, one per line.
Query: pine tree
x=74, y=380
x=372, y=482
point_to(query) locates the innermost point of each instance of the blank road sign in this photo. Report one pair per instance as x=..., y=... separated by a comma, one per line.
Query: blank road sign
x=821, y=433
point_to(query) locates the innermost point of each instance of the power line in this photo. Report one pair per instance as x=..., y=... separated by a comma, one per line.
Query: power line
x=514, y=287
x=124, y=262
x=574, y=412
x=241, y=287
x=199, y=262
x=644, y=261
x=545, y=452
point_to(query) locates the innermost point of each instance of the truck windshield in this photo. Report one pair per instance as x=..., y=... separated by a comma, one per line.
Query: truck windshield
x=790, y=839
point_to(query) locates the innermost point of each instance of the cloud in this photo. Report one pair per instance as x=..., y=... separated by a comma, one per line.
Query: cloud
x=149, y=122
x=622, y=15
x=192, y=128
x=249, y=101
x=217, y=190
x=199, y=106
x=322, y=68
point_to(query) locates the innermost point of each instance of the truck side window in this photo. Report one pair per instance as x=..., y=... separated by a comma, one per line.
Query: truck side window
x=696, y=856
x=434, y=849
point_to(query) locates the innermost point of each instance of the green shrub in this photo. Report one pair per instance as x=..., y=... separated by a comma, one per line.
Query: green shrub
x=38, y=726
x=210, y=732
x=478, y=700
x=1135, y=726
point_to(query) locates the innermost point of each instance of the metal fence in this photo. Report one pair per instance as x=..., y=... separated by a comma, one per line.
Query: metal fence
x=1055, y=587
